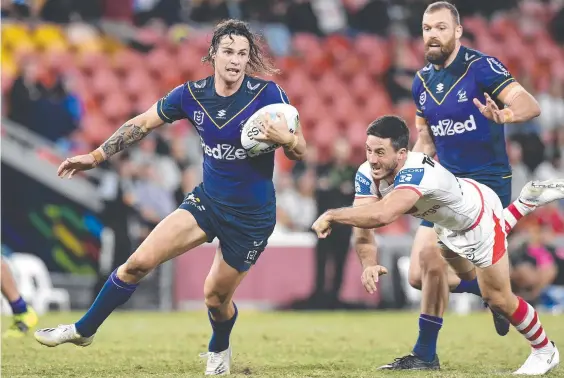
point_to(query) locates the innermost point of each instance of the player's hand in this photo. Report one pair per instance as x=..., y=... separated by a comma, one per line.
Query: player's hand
x=76, y=163
x=491, y=111
x=370, y=275
x=322, y=226
x=274, y=130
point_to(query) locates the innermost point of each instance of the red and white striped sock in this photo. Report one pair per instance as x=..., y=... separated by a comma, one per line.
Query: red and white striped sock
x=515, y=211
x=527, y=322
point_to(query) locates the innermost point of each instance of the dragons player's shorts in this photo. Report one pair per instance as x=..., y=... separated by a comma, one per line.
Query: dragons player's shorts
x=485, y=242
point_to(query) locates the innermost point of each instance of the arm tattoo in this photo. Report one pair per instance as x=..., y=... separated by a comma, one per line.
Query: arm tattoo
x=125, y=136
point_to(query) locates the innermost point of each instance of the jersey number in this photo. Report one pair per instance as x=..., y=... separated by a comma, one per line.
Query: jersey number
x=428, y=160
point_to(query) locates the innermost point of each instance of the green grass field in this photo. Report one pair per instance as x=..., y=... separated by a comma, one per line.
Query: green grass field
x=338, y=344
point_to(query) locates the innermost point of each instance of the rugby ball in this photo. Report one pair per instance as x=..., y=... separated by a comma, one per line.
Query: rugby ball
x=251, y=130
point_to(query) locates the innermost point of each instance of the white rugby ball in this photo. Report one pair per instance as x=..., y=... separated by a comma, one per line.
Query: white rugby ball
x=251, y=130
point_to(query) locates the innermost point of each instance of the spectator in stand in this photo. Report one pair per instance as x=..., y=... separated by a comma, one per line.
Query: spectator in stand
x=521, y=174
x=209, y=11
x=335, y=189
x=49, y=110
x=533, y=264
x=552, y=106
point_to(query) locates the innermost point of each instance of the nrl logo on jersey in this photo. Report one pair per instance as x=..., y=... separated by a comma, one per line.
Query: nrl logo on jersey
x=497, y=67
x=199, y=117
x=422, y=98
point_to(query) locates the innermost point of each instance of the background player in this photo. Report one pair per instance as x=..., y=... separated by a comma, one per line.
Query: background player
x=468, y=218
x=235, y=202
x=24, y=317
x=459, y=122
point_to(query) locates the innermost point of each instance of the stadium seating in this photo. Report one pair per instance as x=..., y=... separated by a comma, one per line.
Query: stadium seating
x=345, y=74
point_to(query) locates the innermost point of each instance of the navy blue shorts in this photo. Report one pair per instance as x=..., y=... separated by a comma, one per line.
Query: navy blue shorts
x=242, y=237
x=500, y=184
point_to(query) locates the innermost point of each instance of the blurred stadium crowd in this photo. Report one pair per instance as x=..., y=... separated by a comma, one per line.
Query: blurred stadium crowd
x=73, y=71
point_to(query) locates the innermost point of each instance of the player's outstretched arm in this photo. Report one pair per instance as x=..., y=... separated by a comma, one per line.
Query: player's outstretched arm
x=520, y=105
x=372, y=215
x=363, y=239
x=129, y=133
x=367, y=251
x=424, y=142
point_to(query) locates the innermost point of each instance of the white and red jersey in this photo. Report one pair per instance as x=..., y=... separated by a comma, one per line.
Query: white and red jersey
x=468, y=216
x=448, y=201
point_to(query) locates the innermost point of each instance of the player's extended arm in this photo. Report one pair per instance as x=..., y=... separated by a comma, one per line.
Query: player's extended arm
x=520, y=105
x=363, y=239
x=376, y=214
x=129, y=133
x=424, y=142
x=296, y=149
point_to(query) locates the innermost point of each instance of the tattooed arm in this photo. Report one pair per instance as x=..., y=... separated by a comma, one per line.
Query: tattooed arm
x=129, y=133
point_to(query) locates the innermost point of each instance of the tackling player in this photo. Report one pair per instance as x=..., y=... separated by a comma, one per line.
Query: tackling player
x=235, y=203
x=459, y=121
x=468, y=219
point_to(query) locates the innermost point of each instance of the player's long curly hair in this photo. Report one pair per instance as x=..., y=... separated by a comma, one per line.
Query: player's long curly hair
x=259, y=61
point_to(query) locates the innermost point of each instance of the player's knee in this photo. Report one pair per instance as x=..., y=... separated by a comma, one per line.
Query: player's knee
x=431, y=261
x=498, y=302
x=137, y=267
x=215, y=301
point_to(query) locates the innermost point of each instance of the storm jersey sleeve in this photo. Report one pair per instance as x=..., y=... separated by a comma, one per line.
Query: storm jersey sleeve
x=492, y=75
x=169, y=107
x=419, y=94
x=363, y=184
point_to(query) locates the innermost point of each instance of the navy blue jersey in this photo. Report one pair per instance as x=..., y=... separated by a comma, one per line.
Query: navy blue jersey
x=467, y=143
x=231, y=178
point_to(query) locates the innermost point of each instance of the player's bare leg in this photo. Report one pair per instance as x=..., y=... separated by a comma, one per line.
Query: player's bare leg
x=496, y=291
x=219, y=287
x=460, y=268
x=460, y=278
x=173, y=236
x=430, y=269
x=456, y=277
x=466, y=272
x=24, y=317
